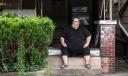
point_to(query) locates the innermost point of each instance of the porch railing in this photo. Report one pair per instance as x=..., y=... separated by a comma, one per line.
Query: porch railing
x=105, y=14
x=107, y=8
x=121, y=12
x=122, y=28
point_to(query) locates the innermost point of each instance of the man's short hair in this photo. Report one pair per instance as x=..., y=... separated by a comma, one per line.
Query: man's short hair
x=75, y=17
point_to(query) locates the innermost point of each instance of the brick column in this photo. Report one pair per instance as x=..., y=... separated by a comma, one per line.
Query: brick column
x=107, y=45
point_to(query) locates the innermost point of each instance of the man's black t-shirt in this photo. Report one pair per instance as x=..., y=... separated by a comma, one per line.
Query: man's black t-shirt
x=75, y=38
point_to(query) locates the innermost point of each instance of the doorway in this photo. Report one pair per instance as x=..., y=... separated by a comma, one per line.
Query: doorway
x=62, y=11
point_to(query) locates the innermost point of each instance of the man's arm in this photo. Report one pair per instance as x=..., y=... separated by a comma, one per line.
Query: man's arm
x=62, y=40
x=88, y=39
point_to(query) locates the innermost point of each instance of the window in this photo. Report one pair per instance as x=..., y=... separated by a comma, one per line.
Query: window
x=17, y=4
x=80, y=8
x=12, y=4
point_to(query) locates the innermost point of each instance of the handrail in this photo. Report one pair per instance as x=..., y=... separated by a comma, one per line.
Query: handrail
x=123, y=29
x=121, y=12
x=106, y=8
x=123, y=8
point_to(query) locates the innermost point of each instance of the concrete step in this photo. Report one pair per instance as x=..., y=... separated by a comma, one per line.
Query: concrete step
x=75, y=68
x=76, y=72
x=94, y=52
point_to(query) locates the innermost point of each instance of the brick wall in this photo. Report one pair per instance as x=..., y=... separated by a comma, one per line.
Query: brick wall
x=107, y=45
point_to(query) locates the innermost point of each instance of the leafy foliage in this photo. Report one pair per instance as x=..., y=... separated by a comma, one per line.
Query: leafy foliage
x=24, y=43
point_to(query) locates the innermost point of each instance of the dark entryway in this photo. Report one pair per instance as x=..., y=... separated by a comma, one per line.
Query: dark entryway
x=62, y=11
x=28, y=4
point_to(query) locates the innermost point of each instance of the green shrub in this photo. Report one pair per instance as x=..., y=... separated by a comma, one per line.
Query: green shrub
x=24, y=43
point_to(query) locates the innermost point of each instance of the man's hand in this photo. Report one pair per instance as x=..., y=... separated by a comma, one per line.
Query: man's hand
x=64, y=44
x=85, y=45
x=87, y=41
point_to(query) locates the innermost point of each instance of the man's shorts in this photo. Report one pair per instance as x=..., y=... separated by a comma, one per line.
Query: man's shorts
x=77, y=51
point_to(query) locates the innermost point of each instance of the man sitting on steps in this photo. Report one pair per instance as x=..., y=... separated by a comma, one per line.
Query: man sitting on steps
x=75, y=40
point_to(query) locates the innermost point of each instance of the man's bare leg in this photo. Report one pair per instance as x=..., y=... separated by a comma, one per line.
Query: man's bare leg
x=65, y=61
x=87, y=60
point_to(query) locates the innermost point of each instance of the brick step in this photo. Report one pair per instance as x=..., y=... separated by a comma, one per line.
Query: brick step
x=75, y=68
x=93, y=51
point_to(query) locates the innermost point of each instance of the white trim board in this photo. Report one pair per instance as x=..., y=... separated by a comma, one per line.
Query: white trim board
x=93, y=52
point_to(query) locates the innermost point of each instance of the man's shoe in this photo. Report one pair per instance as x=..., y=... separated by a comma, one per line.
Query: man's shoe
x=64, y=66
x=88, y=66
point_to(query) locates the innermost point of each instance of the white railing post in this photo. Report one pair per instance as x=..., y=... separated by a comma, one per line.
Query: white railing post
x=110, y=9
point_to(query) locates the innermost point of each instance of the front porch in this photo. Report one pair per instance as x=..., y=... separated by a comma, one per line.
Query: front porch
x=103, y=41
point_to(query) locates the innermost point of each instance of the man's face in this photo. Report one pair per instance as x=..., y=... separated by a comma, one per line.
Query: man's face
x=75, y=23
